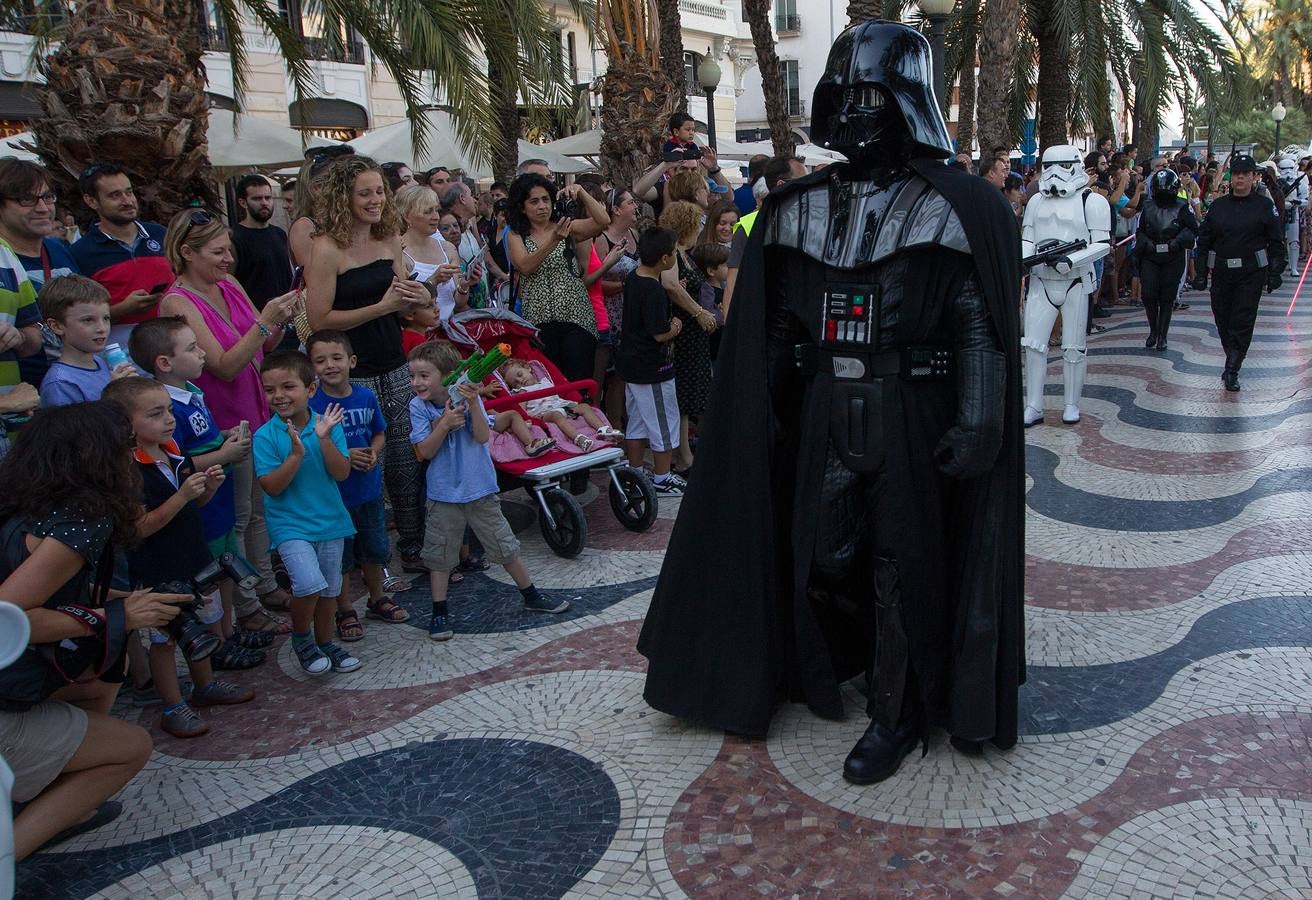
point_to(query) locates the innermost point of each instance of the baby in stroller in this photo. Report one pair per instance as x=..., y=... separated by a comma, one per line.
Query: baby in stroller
x=520, y=376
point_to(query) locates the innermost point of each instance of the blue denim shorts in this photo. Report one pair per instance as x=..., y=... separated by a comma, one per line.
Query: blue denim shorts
x=314, y=567
x=370, y=547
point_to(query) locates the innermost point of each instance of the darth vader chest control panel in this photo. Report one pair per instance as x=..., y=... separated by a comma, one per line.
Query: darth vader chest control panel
x=851, y=315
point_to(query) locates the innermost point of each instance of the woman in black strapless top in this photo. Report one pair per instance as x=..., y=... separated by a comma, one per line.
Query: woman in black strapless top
x=357, y=283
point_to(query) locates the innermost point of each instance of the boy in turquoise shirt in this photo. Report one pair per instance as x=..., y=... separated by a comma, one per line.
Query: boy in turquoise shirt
x=300, y=456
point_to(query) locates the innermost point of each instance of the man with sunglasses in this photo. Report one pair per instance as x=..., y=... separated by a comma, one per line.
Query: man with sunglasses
x=119, y=251
x=27, y=225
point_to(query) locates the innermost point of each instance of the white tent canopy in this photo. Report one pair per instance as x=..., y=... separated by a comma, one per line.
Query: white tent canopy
x=240, y=141
x=236, y=141
x=10, y=146
x=392, y=143
x=588, y=143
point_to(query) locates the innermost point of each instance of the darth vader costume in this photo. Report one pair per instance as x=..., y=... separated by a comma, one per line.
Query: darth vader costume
x=856, y=505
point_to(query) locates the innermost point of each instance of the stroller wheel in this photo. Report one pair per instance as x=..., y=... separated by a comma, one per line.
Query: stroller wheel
x=634, y=501
x=568, y=534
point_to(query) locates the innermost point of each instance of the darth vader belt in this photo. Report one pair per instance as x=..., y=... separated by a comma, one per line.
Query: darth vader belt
x=917, y=363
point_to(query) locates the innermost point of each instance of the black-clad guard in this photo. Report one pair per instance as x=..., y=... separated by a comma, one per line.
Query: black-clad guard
x=1167, y=229
x=1241, y=241
x=857, y=500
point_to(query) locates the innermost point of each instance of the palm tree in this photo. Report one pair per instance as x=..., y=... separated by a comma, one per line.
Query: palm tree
x=772, y=79
x=1280, y=44
x=636, y=93
x=670, y=25
x=998, y=38
x=127, y=84
x=1072, y=45
x=963, y=31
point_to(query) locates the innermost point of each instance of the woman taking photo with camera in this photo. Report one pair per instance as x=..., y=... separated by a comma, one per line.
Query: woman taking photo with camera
x=68, y=493
x=548, y=266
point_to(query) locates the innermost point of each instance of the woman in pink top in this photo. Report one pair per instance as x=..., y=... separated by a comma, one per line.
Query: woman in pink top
x=234, y=337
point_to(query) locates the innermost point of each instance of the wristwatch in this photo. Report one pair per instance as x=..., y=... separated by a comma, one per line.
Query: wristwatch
x=715, y=171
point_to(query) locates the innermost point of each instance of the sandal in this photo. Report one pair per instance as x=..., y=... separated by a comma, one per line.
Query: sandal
x=267, y=622
x=454, y=577
x=387, y=610
x=608, y=433
x=583, y=442
x=234, y=657
x=471, y=564
x=540, y=446
x=252, y=639
x=348, y=627
x=277, y=599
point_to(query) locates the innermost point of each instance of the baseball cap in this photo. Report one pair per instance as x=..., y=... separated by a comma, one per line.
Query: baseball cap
x=1243, y=163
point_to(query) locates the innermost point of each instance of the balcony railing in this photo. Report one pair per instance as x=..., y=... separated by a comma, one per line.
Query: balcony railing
x=322, y=48
x=212, y=37
x=787, y=24
x=696, y=7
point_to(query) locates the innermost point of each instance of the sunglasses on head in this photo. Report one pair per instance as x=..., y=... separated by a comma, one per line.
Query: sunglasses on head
x=197, y=217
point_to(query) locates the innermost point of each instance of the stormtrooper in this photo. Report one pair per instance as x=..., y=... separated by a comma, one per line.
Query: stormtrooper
x=1294, y=186
x=864, y=519
x=1063, y=212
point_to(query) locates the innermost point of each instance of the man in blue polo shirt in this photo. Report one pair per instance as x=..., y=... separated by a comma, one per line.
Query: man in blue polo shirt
x=123, y=254
x=27, y=225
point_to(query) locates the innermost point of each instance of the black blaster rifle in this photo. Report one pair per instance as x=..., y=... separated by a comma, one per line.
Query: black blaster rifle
x=1051, y=252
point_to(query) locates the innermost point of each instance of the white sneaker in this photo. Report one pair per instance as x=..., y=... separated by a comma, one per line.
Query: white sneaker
x=673, y=486
x=1032, y=416
x=1071, y=414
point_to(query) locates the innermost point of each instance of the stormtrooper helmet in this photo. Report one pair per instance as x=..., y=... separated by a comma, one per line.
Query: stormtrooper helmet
x=1164, y=186
x=1063, y=172
x=1287, y=167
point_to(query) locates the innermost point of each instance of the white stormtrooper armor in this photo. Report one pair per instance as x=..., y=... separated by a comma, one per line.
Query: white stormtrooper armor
x=1063, y=210
x=1295, y=187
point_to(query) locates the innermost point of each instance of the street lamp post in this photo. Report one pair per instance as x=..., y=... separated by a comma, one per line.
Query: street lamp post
x=708, y=76
x=1277, y=115
x=938, y=12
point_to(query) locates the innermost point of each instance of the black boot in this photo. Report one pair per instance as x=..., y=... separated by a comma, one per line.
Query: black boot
x=1163, y=324
x=1151, y=313
x=878, y=754
x=1230, y=377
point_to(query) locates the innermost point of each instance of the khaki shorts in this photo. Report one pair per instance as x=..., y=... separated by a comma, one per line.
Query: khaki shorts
x=444, y=532
x=38, y=743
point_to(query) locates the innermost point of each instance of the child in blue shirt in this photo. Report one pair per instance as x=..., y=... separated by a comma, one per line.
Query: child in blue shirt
x=362, y=491
x=461, y=485
x=77, y=310
x=300, y=456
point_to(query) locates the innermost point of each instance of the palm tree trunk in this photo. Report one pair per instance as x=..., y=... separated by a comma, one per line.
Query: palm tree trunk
x=634, y=94
x=966, y=107
x=504, y=96
x=121, y=89
x=671, y=31
x=1054, y=88
x=772, y=77
x=997, y=61
x=866, y=11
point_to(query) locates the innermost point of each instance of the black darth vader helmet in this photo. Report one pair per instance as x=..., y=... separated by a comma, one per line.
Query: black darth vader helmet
x=876, y=97
x=1164, y=185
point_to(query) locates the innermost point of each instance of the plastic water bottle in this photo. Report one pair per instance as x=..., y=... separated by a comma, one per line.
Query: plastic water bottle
x=116, y=356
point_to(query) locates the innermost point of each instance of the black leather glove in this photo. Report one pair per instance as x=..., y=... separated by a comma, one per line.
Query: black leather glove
x=1273, y=280
x=971, y=445
x=1200, y=281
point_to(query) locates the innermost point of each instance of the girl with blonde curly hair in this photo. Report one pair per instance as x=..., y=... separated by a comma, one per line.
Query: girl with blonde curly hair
x=357, y=281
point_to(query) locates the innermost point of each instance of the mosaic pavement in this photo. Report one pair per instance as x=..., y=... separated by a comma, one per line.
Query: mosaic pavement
x=1166, y=725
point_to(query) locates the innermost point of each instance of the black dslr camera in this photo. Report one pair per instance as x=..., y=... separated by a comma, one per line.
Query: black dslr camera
x=565, y=208
x=186, y=629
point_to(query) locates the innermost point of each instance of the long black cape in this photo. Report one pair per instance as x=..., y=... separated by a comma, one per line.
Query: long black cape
x=720, y=635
